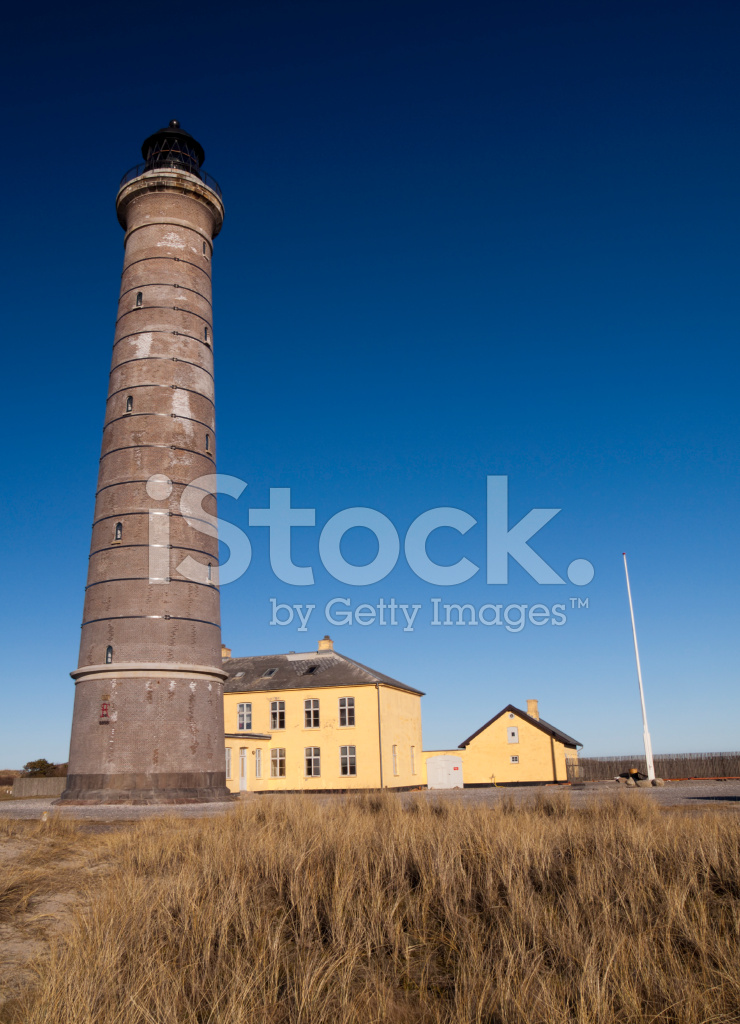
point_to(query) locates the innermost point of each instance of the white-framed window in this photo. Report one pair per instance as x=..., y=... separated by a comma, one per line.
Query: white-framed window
x=311, y=713
x=512, y=734
x=348, y=759
x=346, y=710
x=313, y=761
x=243, y=717
x=514, y=759
x=394, y=752
x=228, y=762
x=277, y=763
x=258, y=763
x=413, y=760
x=277, y=714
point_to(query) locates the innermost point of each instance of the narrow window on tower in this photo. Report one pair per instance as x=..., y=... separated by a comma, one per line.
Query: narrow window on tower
x=139, y=299
x=206, y=333
x=210, y=572
x=208, y=442
x=108, y=655
x=204, y=248
x=119, y=531
x=130, y=403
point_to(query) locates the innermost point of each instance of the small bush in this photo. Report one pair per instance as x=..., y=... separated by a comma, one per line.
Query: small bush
x=44, y=769
x=39, y=769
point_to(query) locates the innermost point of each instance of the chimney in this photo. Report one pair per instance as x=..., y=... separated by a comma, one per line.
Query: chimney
x=225, y=652
x=533, y=709
x=327, y=644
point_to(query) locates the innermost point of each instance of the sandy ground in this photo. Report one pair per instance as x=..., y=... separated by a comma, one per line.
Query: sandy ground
x=686, y=794
x=27, y=933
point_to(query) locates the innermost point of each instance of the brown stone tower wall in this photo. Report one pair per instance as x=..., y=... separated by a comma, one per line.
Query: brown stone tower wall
x=148, y=726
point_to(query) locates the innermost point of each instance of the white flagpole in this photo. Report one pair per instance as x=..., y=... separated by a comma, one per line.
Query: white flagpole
x=645, y=733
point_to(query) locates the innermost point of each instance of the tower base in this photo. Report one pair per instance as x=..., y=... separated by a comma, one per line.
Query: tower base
x=141, y=789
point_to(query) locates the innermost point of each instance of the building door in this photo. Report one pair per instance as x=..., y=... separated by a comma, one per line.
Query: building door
x=242, y=769
x=444, y=771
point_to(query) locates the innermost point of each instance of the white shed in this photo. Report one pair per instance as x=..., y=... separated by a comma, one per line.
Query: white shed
x=444, y=771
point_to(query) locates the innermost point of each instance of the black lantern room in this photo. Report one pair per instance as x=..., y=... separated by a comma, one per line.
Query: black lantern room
x=174, y=148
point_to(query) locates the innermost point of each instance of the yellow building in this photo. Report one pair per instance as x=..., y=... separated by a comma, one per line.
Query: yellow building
x=513, y=747
x=319, y=721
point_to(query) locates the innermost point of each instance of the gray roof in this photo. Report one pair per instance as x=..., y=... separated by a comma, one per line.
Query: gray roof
x=312, y=670
x=540, y=723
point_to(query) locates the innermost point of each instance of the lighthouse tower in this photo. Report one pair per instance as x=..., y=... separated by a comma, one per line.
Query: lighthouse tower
x=148, y=713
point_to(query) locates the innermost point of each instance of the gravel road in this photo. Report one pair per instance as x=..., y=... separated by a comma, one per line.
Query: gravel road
x=700, y=793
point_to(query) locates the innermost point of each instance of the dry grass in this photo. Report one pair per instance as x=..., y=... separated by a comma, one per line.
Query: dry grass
x=7, y=794
x=293, y=910
x=37, y=862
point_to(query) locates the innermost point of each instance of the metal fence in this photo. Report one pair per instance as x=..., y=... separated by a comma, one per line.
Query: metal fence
x=207, y=179
x=667, y=766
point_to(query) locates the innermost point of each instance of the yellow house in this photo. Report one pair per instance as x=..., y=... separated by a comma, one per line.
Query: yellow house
x=319, y=721
x=513, y=747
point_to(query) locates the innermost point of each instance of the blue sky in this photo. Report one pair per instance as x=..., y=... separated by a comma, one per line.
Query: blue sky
x=461, y=240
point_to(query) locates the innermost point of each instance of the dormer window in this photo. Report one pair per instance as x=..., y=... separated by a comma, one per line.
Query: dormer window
x=268, y=673
x=139, y=299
